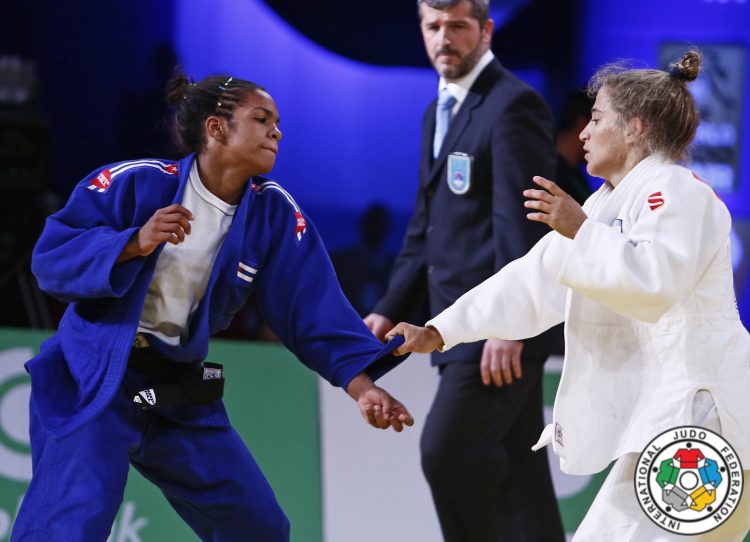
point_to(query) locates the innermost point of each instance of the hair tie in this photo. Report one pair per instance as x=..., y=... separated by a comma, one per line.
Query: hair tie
x=225, y=85
x=676, y=73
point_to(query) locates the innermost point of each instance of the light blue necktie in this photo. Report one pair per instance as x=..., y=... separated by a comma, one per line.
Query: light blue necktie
x=442, y=119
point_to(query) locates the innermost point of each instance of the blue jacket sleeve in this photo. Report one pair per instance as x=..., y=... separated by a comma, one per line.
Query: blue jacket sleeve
x=302, y=301
x=75, y=257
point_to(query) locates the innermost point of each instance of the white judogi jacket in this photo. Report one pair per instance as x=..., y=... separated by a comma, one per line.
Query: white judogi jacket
x=646, y=293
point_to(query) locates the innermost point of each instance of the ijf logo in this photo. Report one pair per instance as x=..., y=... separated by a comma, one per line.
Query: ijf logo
x=689, y=480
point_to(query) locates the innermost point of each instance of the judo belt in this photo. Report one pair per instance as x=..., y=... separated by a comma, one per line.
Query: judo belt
x=174, y=383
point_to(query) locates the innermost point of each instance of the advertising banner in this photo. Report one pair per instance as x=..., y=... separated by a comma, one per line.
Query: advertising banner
x=272, y=402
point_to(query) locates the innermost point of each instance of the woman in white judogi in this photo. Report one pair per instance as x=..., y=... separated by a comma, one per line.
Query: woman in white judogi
x=642, y=277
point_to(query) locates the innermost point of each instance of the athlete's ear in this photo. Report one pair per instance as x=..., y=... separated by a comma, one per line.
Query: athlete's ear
x=635, y=130
x=216, y=128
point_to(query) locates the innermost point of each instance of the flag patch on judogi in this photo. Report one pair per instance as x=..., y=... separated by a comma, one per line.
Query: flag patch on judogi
x=301, y=225
x=246, y=273
x=655, y=201
x=102, y=181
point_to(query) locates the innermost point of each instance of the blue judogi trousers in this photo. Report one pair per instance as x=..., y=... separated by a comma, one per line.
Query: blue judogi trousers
x=206, y=473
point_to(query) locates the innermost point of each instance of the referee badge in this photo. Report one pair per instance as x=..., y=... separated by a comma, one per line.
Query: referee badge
x=459, y=172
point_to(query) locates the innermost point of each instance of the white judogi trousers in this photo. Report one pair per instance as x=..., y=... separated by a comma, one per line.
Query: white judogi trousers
x=616, y=516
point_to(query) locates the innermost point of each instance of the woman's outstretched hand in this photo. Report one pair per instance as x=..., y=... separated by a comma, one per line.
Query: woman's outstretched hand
x=378, y=407
x=416, y=339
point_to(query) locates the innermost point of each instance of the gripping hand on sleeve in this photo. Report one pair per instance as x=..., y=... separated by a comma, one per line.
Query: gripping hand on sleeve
x=416, y=339
x=378, y=324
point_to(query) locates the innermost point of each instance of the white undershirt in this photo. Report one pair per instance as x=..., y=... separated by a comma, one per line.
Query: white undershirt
x=182, y=271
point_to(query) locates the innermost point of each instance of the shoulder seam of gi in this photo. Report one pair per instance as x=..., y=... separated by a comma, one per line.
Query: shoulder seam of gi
x=276, y=186
x=301, y=227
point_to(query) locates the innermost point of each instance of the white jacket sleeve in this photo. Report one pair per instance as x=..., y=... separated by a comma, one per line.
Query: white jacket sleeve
x=521, y=300
x=641, y=274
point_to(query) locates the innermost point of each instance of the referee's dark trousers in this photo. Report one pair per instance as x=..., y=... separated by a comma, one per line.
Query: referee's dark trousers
x=487, y=484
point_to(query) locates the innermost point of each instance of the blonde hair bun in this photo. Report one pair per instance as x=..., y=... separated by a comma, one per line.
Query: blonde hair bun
x=688, y=67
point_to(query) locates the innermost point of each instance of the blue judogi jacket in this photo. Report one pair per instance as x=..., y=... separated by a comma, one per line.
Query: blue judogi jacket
x=271, y=249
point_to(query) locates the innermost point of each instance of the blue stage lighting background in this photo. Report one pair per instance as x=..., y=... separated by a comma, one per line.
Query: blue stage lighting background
x=351, y=129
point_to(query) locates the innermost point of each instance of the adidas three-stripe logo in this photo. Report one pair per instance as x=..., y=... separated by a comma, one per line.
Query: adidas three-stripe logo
x=246, y=273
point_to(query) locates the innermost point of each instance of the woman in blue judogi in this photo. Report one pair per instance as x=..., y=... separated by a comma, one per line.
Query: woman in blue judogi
x=155, y=256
